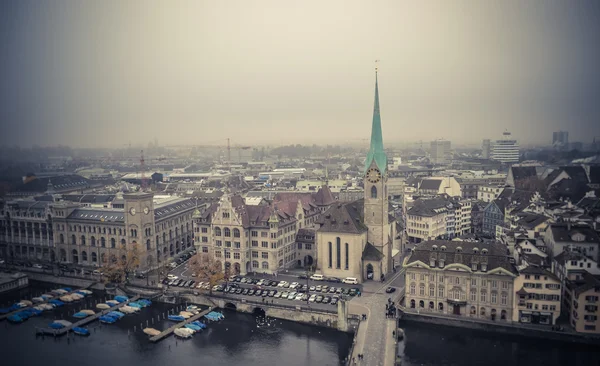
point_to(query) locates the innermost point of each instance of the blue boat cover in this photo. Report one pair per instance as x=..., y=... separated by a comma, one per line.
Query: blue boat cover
x=81, y=331
x=56, y=325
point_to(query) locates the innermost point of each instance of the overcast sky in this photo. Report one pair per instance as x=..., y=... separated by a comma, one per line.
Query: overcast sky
x=104, y=73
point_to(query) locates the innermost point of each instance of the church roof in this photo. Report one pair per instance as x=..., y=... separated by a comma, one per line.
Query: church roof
x=343, y=218
x=324, y=197
x=370, y=253
x=376, y=153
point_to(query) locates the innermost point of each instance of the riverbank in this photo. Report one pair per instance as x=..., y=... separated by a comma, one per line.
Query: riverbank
x=501, y=328
x=66, y=281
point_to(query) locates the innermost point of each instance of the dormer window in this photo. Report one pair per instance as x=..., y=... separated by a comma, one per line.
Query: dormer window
x=443, y=248
x=434, y=247
x=441, y=264
x=459, y=249
x=484, y=251
x=475, y=250
x=483, y=267
x=579, y=237
x=474, y=266
x=432, y=262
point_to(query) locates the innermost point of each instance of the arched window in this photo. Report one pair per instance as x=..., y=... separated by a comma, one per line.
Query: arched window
x=421, y=304
x=373, y=192
x=148, y=245
x=94, y=257
x=82, y=240
x=93, y=241
x=254, y=264
x=265, y=265
x=217, y=231
x=227, y=232
x=73, y=240
x=236, y=233
x=103, y=242
x=123, y=242
x=113, y=242
x=84, y=256
x=61, y=238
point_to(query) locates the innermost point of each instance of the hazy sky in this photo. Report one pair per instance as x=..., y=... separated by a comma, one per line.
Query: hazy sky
x=103, y=73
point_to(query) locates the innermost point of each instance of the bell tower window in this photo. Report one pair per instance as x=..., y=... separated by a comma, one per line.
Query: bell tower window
x=373, y=192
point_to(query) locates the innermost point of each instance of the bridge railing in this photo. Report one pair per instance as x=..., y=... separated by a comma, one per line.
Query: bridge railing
x=273, y=305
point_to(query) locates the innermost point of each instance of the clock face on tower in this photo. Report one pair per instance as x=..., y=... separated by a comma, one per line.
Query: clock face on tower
x=373, y=175
x=132, y=211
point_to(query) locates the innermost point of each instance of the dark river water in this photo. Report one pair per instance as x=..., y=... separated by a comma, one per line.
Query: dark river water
x=239, y=341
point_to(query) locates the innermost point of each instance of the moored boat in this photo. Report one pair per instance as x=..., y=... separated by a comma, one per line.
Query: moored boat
x=193, y=327
x=88, y=312
x=80, y=315
x=183, y=332
x=81, y=331
x=176, y=318
x=151, y=331
x=107, y=319
x=103, y=306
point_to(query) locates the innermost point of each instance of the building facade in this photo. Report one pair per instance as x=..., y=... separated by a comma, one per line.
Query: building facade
x=458, y=278
x=505, y=150
x=440, y=150
x=538, y=296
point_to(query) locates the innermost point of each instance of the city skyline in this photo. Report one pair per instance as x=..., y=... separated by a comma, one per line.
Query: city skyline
x=87, y=76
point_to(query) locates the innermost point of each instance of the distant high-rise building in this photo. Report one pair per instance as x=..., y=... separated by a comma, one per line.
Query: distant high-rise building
x=486, y=147
x=440, y=149
x=560, y=138
x=505, y=150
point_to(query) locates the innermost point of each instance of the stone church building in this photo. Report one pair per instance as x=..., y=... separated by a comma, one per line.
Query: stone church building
x=355, y=239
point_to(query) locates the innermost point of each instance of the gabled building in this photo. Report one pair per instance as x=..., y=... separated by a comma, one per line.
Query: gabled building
x=582, y=297
x=560, y=237
x=493, y=216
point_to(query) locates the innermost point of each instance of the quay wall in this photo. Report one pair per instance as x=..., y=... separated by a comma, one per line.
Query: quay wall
x=500, y=328
x=293, y=313
x=67, y=281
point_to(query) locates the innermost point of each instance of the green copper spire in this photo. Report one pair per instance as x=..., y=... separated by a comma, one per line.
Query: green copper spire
x=376, y=152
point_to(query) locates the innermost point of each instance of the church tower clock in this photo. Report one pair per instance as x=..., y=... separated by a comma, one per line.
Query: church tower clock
x=375, y=187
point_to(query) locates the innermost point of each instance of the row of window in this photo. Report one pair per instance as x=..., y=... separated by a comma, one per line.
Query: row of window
x=460, y=295
x=458, y=280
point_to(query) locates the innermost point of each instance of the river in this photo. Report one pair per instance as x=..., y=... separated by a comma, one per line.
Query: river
x=238, y=340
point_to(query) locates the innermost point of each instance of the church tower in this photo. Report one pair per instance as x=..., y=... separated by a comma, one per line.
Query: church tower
x=375, y=184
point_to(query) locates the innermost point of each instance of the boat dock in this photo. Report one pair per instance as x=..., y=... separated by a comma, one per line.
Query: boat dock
x=84, y=321
x=4, y=316
x=167, y=332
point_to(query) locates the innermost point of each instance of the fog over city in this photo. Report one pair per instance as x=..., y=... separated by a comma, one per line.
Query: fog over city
x=109, y=73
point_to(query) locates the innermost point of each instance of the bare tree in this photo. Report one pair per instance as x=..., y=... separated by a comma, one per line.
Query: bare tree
x=117, y=270
x=207, y=269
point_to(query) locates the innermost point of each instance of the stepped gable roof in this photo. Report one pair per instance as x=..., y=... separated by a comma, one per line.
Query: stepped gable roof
x=323, y=197
x=565, y=232
x=370, y=253
x=496, y=256
x=343, y=218
x=97, y=215
x=430, y=184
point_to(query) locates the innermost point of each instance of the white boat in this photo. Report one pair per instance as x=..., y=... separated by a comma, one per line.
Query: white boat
x=88, y=312
x=76, y=296
x=151, y=332
x=103, y=306
x=127, y=309
x=66, y=298
x=112, y=302
x=64, y=322
x=87, y=292
x=183, y=332
x=38, y=299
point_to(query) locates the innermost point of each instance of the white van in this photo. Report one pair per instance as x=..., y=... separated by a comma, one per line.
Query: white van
x=317, y=277
x=350, y=280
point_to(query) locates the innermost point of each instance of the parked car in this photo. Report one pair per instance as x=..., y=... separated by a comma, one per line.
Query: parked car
x=389, y=290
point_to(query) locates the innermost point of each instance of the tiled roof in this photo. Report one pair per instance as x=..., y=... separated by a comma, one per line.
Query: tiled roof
x=27, y=205
x=496, y=256
x=538, y=271
x=562, y=233
x=589, y=203
x=430, y=184
x=89, y=198
x=370, y=253
x=60, y=183
x=577, y=173
x=344, y=218
x=170, y=208
x=522, y=172
x=323, y=197
x=429, y=207
x=531, y=220
x=98, y=215
x=595, y=174
x=588, y=282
